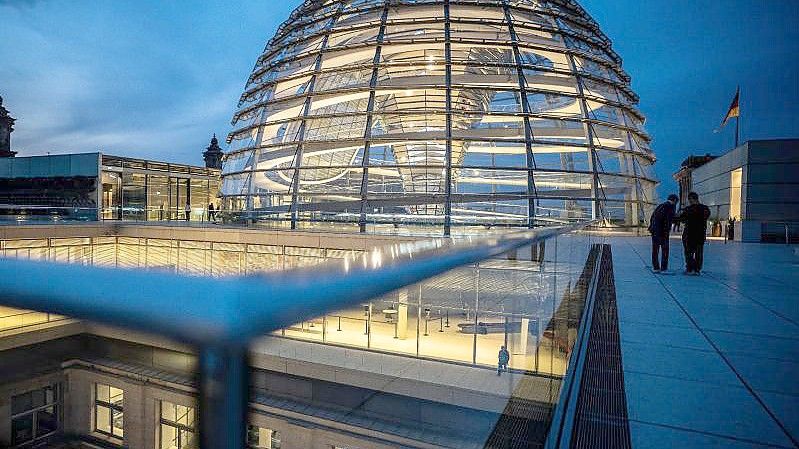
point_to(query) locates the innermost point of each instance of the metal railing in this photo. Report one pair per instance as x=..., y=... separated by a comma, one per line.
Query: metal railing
x=563, y=417
x=208, y=313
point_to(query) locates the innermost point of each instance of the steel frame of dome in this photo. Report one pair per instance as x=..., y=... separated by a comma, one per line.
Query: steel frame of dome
x=445, y=112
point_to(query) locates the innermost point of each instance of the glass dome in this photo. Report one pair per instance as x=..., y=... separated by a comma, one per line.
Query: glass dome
x=438, y=113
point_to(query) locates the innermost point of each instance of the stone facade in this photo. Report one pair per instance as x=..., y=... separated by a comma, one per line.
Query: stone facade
x=6, y=128
x=213, y=155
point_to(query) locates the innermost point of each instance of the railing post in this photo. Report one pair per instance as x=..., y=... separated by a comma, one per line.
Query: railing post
x=224, y=395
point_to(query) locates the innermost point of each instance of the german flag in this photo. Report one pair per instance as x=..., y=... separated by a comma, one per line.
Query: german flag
x=735, y=109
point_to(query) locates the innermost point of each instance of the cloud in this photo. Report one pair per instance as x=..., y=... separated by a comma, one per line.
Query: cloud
x=111, y=87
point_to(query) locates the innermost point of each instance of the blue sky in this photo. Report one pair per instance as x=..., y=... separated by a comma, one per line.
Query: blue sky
x=154, y=79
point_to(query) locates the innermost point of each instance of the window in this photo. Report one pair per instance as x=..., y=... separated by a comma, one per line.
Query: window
x=177, y=426
x=108, y=410
x=261, y=438
x=736, y=178
x=35, y=414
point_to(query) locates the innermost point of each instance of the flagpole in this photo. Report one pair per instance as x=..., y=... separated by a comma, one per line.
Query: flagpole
x=737, y=127
x=738, y=117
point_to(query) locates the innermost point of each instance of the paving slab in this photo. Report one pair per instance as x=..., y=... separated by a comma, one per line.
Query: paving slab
x=713, y=360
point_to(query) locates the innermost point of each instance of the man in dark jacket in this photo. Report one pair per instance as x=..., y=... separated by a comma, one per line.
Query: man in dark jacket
x=695, y=217
x=660, y=226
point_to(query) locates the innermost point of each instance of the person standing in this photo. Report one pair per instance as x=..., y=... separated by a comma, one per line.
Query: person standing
x=660, y=227
x=211, y=212
x=187, y=210
x=695, y=217
x=504, y=358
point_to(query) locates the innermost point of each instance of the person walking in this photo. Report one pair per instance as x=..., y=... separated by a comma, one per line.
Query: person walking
x=504, y=358
x=660, y=227
x=695, y=217
x=211, y=212
x=187, y=210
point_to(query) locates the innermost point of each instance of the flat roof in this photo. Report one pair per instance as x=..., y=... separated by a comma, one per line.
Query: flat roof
x=89, y=164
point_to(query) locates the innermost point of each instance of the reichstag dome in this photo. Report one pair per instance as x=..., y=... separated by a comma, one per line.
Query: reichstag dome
x=444, y=114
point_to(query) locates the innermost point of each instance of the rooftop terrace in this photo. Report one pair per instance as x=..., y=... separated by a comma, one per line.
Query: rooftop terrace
x=710, y=361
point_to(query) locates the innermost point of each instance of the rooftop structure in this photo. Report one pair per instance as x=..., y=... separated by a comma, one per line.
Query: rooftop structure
x=446, y=114
x=754, y=185
x=683, y=176
x=6, y=128
x=96, y=186
x=213, y=155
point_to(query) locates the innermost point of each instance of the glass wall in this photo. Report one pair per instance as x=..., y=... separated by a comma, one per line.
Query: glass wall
x=157, y=197
x=139, y=197
x=529, y=301
x=50, y=188
x=134, y=196
x=452, y=114
x=156, y=191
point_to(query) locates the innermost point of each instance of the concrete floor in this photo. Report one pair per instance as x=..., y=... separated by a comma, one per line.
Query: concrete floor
x=710, y=361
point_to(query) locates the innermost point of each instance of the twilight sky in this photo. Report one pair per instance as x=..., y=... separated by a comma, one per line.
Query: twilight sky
x=154, y=79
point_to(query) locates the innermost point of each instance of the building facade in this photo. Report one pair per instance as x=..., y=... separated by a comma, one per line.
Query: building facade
x=6, y=128
x=683, y=176
x=95, y=186
x=447, y=114
x=756, y=185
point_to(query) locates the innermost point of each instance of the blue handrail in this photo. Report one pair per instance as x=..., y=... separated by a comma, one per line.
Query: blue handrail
x=221, y=316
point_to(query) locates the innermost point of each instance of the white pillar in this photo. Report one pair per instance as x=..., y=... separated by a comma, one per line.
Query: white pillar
x=402, y=315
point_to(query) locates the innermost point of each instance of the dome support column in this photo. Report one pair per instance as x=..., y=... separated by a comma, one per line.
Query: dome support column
x=367, y=134
x=637, y=194
x=532, y=192
x=448, y=152
x=306, y=110
x=596, y=207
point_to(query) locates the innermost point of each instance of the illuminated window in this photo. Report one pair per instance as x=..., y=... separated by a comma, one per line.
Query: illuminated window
x=177, y=426
x=108, y=410
x=261, y=438
x=735, y=193
x=35, y=414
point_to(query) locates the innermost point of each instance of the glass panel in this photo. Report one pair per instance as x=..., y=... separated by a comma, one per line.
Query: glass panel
x=46, y=421
x=157, y=197
x=187, y=440
x=169, y=437
x=21, y=429
x=103, y=419
x=134, y=200
x=261, y=438
x=116, y=396
x=117, y=421
x=168, y=411
x=103, y=392
x=185, y=415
